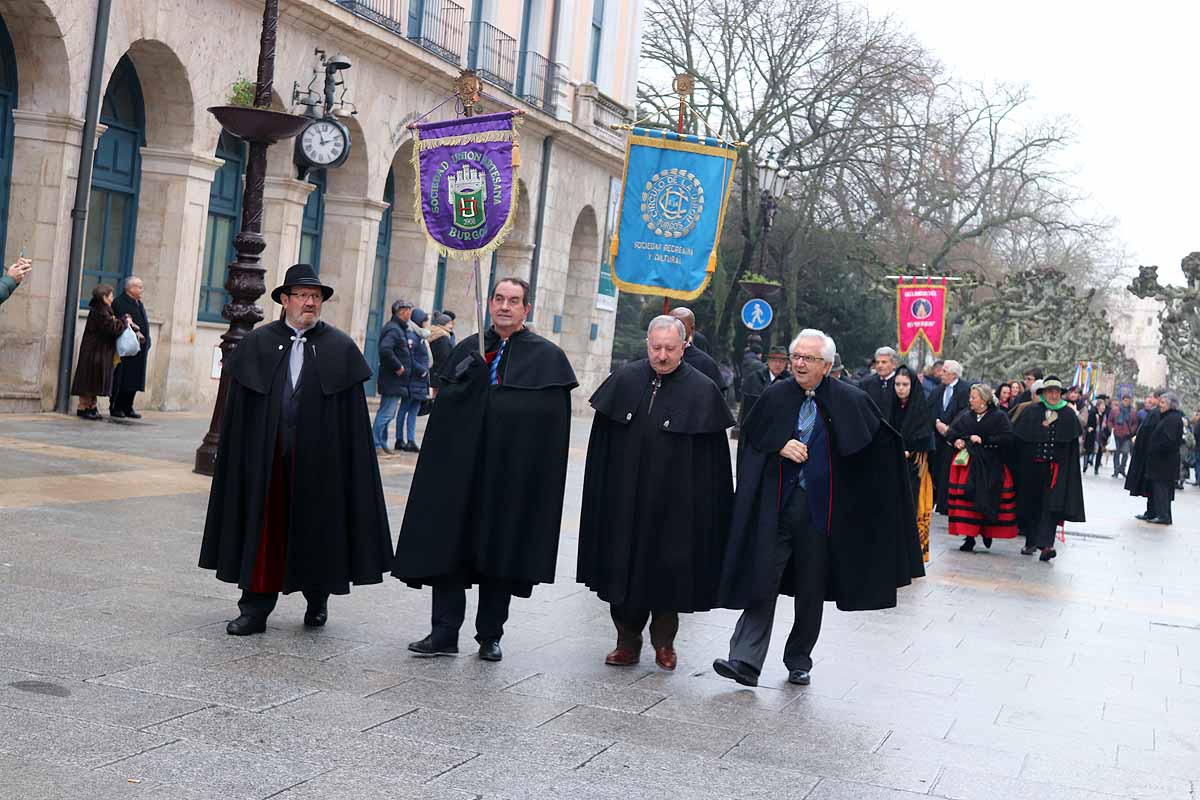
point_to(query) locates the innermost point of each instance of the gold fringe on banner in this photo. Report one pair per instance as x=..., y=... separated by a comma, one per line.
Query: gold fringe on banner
x=467, y=138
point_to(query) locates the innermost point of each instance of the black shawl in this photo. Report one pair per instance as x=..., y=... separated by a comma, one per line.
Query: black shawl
x=985, y=473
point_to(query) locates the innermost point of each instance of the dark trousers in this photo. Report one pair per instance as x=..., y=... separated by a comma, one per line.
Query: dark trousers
x=630, y=622
x=807, y=549
x=450, y=609
x=1045, y=531
x=1160, y=499
x=260, y=604
x=1121, y=456
x=122, y=401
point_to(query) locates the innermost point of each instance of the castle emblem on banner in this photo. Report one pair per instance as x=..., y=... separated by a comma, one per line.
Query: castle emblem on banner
x=672, y=203
x=467, y=198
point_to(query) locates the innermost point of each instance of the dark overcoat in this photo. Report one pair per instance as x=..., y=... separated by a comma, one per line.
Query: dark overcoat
x=872, y=527
x=985, y=473
x=700, y=360
x=400, y=346
x=337, y=531
x=487, y=495
x=657, y=490
x=97, y=352
x=1047, y=474
x=130, y=375
x=1162, y=453
x=1136, y=482
x=960, y=401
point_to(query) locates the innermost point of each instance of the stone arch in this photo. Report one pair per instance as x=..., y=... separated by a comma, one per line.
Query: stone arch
x=579, y=296
x=44, y=66
x=167, y=92
x=412, y=268
x=515, y=257
x=351, y=178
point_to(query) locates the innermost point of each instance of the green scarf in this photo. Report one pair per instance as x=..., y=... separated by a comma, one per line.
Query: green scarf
x=1062, y=402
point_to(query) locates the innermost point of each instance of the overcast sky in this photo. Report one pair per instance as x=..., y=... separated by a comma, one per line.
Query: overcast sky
x=1126, y=73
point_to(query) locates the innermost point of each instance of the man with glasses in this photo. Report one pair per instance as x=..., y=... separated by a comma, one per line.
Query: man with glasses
x=296, y=501
x=823, y=511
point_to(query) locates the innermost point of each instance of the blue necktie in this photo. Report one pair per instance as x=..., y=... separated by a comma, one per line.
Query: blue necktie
x=804, y=429
x=496, y=362
x=946, y=395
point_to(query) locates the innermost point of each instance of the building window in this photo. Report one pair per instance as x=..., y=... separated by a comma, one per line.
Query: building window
x=224, y=213
x=314, y=221
x=597, y=38
x=380, y=312
x=116, y=175
x=8, y=101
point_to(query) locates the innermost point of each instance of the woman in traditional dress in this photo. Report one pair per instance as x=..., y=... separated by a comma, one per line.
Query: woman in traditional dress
x=912, y=417
x=982, y=499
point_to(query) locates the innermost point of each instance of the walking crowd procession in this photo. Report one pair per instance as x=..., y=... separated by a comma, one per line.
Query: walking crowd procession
x=672, y=522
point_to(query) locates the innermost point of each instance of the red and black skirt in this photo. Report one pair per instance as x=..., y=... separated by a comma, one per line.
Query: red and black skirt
x=965, y=520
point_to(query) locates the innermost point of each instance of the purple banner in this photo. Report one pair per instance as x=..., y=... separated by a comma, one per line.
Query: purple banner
x=465, y=181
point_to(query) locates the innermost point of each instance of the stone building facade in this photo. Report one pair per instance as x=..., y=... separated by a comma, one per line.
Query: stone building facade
x=165, y=192
x=1136, y=326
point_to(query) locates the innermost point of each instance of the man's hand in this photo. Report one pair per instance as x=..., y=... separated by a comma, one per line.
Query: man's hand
x=795, y=450
x=975, y=439
x=19, y=270
x=400, y=372
x=941, y=427
x=960, y=444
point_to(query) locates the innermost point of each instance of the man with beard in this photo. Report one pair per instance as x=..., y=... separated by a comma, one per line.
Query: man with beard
x=693, y=355
x=823, y=511
x=1135, y=482
x=486, y=499
x=296, y=501
x=658, y=433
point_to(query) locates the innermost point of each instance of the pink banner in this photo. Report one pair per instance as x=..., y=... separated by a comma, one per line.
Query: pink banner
x=920, y=312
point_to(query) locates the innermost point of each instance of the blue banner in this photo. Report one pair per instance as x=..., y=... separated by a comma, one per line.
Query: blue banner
x=673, y=201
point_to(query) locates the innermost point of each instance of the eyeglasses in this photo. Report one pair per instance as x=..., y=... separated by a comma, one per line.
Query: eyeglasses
x=811, y=360
x=305, y=297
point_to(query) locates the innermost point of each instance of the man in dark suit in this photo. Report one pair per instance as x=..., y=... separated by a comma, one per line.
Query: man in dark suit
x=130, y=375
x=693, y=355
x=879, y=385
x=954, y=397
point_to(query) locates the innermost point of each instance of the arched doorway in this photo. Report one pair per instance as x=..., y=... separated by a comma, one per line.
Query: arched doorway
x=116, y=175
x=224, y=218
x=583, y=275
x=8, y=101
x=313, y=223
x=378, y=314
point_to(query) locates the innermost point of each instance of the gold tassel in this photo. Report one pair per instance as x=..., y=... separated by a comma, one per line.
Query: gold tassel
x=516, y=154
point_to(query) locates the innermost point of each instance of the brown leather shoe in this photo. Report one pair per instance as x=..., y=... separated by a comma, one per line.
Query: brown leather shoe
x=665, y=657
x=621, y=657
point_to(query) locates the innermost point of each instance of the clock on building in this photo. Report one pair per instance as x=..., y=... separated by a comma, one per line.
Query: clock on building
x=324, y=143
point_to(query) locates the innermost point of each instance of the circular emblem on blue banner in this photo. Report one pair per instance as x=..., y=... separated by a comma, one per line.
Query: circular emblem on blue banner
x=757, y=314
x=672, y=203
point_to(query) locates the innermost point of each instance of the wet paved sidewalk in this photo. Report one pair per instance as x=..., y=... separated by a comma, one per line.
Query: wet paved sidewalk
x=997, y=677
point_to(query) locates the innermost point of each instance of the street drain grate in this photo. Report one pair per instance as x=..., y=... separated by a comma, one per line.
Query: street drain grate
x=1086, y=535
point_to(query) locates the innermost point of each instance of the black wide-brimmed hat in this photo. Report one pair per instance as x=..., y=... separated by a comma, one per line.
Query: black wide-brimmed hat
x=301, y=275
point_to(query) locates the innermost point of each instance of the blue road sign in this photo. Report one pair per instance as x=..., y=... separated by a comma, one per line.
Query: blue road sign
x=757, y=314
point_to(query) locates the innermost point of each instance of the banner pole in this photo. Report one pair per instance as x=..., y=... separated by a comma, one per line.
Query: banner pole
x=468, y=88
x=479, y=304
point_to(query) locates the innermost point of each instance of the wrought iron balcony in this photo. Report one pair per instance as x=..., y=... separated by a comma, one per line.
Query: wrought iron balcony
x=609, y=112
x=438, y=25
x=385, y=13
x=537, y=80
x=494, y=55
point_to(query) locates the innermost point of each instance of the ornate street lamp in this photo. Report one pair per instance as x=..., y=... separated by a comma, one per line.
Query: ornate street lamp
x=772, y=180
x=260, y=127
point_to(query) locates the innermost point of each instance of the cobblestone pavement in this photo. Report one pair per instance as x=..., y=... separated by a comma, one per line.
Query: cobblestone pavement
x=997, y=676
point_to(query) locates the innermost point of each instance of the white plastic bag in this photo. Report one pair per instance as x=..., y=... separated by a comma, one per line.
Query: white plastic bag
x=127, y=344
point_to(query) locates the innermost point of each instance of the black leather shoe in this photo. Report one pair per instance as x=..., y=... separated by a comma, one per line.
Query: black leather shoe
x=245, y=625
x=131, y=414
x=1047, y=554
x=1159, y=521
x=116, y=413
x=490, y=651
x=1028, y=550
x=316, y=617
x=968, y=544
x=427, y=649
x=1142, y=517
x=736, y=671
x=987, y=542
x=800, y=677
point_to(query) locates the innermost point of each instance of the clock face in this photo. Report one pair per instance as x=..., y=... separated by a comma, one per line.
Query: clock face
x=323, y=142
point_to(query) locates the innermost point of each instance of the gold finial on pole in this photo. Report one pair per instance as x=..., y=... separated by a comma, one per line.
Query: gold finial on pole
x=683, y=85
x=468, y=86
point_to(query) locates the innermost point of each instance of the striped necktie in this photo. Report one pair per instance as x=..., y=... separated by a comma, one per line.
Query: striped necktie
x=495, y=366
x=807, y=419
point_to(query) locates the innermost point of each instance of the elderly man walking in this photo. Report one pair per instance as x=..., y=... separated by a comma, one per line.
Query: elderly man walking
x=296, y=501
x=952, y=400
x=880, y=387
x=823, y=511
x=130, y=375
x=657, y=492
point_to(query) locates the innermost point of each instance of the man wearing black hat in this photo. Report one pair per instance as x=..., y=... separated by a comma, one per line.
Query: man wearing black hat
x=296, y=501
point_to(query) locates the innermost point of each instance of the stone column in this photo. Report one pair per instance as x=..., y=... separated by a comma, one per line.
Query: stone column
x=172, y=222
x=514, y=260
x=348, y=244
x=283, y=216
x=45, y=167
x=412, y=268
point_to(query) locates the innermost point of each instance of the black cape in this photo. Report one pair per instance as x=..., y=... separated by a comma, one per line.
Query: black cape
x=130, y=375
x=1035, y=448
x=1136, y=482
x=700, y=360
x=914, y=421
x=944, y=450
x=338, y=526
x=487, y=495
x=985, y=473
x=884, y=396
x=1162, y=455
x=874, y=546
x=657, y=491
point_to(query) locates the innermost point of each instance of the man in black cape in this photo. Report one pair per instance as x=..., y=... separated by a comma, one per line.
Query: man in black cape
x=880, y=386
x=296, y=501
x=1161, y=471
x=486, y=501
x=129, y=378
x=1135, y=481
x=693, y=356
x=823, y=511
x=1048, y=478
x=657, y=492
